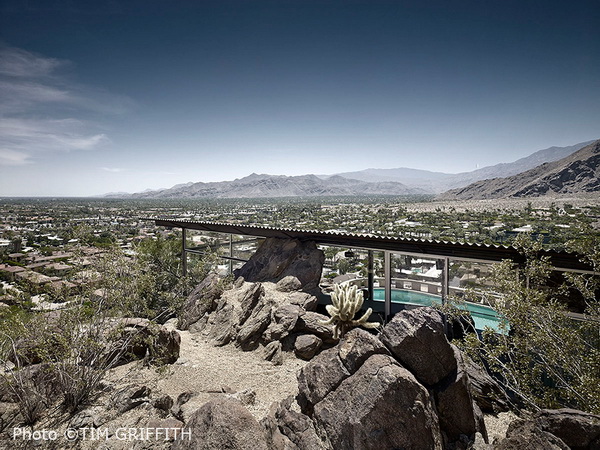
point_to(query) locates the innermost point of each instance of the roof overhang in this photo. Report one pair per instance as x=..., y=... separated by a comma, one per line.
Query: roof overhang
x=481, y=252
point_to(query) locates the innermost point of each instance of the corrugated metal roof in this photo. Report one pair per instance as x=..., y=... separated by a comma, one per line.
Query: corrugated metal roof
x=458, y=250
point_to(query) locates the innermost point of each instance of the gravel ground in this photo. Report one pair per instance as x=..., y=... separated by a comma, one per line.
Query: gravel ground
x=209, y=371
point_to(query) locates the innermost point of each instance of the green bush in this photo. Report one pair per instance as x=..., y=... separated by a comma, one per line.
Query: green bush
x=543, y=356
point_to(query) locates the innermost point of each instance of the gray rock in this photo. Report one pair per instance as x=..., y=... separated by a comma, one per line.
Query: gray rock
x=10, y=415
x=381, y=406
x=307, y=345
x=319, y=377
x=312, y=323
x=200, y=324
x=485, y=390
x=248, y=297
x=165, y=346
x=577, y=429
x=141, y=338
x=288, y=284
x=480, y=424
x=284, y=321
x=273, y=353
x=163, y=403
x=221, y=325
x=250, y=332
x=276, y=259
x=306, y=301
x=287, y=316
x=527, y=435
x=455, y=404
x=276, y=440
x=171, y=426
x=203, y=299
x=88, y=418
x=223, y=423
x=357, y=346
x=416, y=338
x=182, y=399
x=130, y=397
x=245, y=397
x=297, y=427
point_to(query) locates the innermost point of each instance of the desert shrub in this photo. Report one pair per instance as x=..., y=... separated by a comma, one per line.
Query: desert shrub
x=543, y=355
x=63, y=359
x=149, y=283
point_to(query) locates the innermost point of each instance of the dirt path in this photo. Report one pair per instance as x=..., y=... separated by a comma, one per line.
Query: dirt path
x=209, y=371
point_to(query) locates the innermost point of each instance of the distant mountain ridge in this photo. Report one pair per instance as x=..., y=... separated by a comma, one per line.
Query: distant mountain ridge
x=262, y=186
x=576, y=173
x=396, y=181
x=437, y=182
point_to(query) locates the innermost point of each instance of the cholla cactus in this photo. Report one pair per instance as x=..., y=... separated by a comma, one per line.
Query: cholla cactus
x=346, y=301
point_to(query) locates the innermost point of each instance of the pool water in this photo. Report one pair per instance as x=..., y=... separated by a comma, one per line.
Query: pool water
x=483, y=316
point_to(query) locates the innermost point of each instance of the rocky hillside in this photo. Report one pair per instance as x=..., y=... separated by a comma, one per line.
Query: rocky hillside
x=264, y=186
x=437, y=182
x=576, y=173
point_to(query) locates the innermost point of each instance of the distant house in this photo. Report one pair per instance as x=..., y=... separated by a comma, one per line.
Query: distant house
x=11, y=271
x=33, y=277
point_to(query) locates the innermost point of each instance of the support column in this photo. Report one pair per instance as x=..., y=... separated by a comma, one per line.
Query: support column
x=370, y=275
x=230, y=254
x=446, y=280
x=183, y=252
x=387, y=262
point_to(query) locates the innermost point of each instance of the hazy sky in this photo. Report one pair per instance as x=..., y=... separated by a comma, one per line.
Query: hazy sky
x=116, y=95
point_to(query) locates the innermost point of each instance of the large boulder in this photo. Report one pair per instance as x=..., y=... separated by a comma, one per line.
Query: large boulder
x=416, y=338
x=382, y=406
x=277, y=259
x=357, y=346
x=318, y=378
x=289, y=429
x=222, y=423
x=203, y=299
x=251, y=330
x=528, y=435
x=577, y=429
x=455, y=404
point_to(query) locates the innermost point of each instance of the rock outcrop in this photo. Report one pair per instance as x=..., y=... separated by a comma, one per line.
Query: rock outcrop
x=407, y=388
x=222, y=423
x=418, y=341
x=202, y=300
x=554, y=429
x=277, y=259
x=271, y=301
x=380, y=406
x=576, y=173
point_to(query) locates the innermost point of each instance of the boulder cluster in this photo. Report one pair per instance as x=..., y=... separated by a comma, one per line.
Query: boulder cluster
x=267, y=307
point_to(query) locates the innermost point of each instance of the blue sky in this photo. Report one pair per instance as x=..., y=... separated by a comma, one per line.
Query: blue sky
x=127, y=95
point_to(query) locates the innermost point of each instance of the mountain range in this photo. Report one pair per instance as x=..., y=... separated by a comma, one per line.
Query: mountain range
x=576, y=173
x=399, y=181
x=263, y=186
x=437, y=182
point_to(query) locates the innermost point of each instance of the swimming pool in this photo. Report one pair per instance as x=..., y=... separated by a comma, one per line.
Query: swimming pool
x=482, y=315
